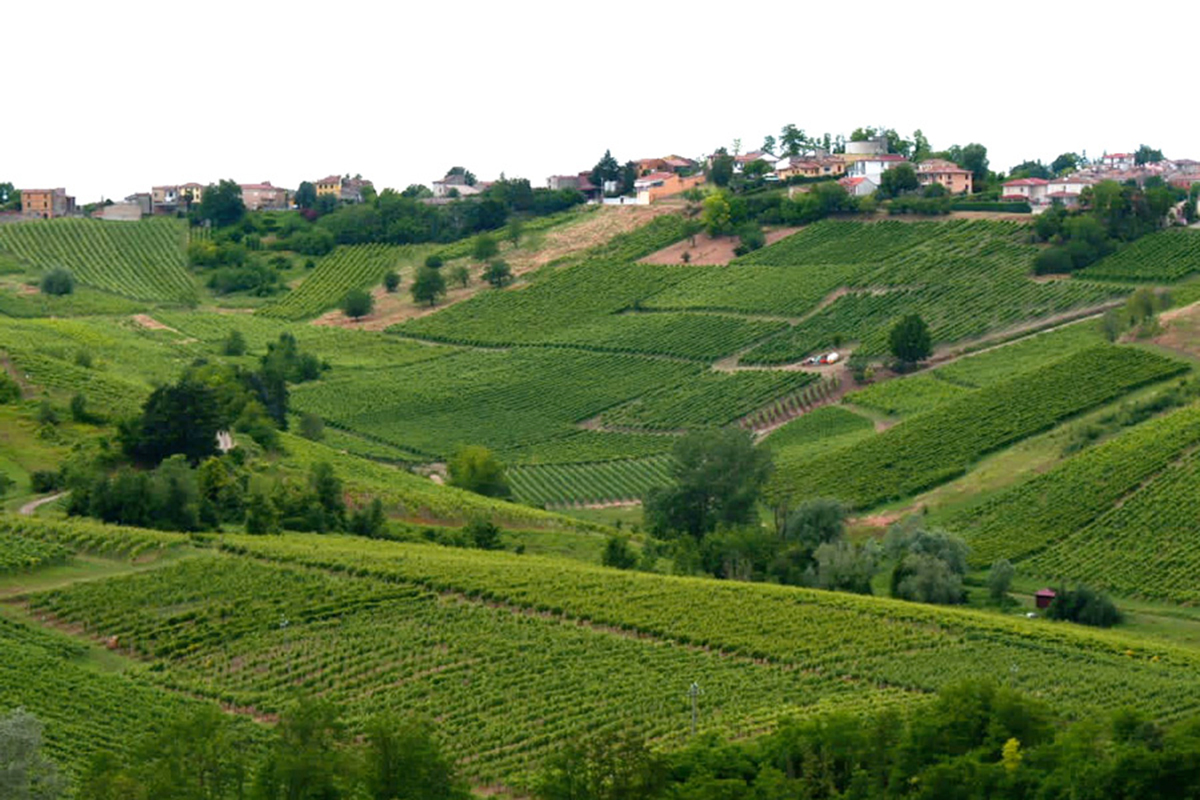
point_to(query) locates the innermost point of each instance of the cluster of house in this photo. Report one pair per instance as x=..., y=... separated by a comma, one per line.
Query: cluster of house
x=171, y=199
x=1120, y=167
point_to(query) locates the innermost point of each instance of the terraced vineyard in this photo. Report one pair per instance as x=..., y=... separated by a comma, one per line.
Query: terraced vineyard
x=347, y=267
x=1050, y=507
x=1164, y=257
x=142, y=260
x=67, y=536
x=817, y=431
x=559, y=485
x=711, y=398
x=935, y=447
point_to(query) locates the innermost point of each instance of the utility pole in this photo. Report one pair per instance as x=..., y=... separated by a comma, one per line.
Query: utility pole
x=694, y=693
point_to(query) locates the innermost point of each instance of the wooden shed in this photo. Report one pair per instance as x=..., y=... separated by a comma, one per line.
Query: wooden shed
x=1044, y=597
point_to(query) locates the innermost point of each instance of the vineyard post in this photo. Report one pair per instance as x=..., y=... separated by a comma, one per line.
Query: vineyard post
x=694, y=693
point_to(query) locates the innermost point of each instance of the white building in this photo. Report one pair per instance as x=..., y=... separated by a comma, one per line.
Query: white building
x=1031, y=190
x=874, y=166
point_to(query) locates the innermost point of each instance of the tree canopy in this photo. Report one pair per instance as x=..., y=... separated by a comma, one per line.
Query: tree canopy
x=358, y=303
x=222, y=204
x=910, y=340
x=477, y=469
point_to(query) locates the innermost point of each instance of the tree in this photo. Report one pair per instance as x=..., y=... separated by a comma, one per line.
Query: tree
x=235, y=344
x=1066, y=162
x=606, y=170
x=1085, y=606
x=921, y=148
x=617, y=553
x=58, y=281
x=477, y=469
x=402, y=760
x=791, y=140
x=608, y=767
x=717, y=213
x=898, y=180
x=750, y=238
x=498, y=274
x=999, y=579
x=222, y=204
x=428, y=286
x=461, y=275
x=358, y=303
x=929, y=565
x=433, y=261
x=910, y=340
x=1031, y=169
x=720, y=172
x=1053, y=261
x=483, y=533
x=26, y=773
x=516, y=229
x=312, y=427
x=768, y=145
x=1145, y=154
x=182, y=418
x=306, y=759
x=262, y=515
x=306, y=195
x=718, y=477
x=484, y=247
x=391, y=281
x=974, y=157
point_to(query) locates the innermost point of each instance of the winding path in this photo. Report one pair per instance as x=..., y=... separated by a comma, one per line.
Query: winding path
x=33, y=505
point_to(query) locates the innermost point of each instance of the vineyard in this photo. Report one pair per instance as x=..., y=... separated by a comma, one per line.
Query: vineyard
x=559, y=485
x=822, y=429
x=711, y=398
x=20, y=554
x=142, y=260
x=1165, y=257
x=937, y=446
x=907, y=396
x=347, y=267
x=1050, y=507
x=1144, y=547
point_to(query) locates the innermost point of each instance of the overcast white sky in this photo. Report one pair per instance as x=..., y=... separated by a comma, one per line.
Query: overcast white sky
x=111, y=98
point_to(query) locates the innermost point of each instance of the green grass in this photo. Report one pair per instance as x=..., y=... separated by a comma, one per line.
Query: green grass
x=906, y=396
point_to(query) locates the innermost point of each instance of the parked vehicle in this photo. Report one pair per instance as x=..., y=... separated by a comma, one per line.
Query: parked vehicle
x=831, y=358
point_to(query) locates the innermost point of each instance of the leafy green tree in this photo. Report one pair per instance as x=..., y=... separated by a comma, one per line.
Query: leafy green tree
x=842, y=566
x=306, y=195
x=434, y=261
x=750, y=238
x=369, y=520
x=717, y=214
x=402, y=760
x=921, y=148
x=222, y=204
x=477, y=469
x=262, y=515
x=617, y=553
x=514, y=232
x=391, y=281
x=1145, y=154
x=606, y=169
x=181, y=418
x=929, y=565
x=483, y=533
x=485, y=247
x=312, y=427
x=974, y=157
x=898, y=180
x=718, y=477
x=327, y=489
x=999, y=579
x=910, y=341
x=10, y=390
x=498, y=274
x=768, y=145
x=791, y=140
x=358, y=303
x=26, y=772
x=235, y=344
x=1031, y=169
x=721, y=170
x=6, y=483
x=461, y=275
x=617, y=766
x=428, y=286
x=1053, y=261
x=1064, y=163
x=58, y=281
x=1085, y=606
x=308, y=758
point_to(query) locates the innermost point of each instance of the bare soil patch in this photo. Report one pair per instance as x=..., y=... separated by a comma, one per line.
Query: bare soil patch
x=1181, y=330
x=708, y=251
x=151, y=324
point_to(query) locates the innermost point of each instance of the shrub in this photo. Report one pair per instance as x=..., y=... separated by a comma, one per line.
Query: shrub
x=1053, y=261
x=58, y=281
x=1085, y=606
x=357, y=303
x=434, y=261
x=618, y=553
x=10, y=390
x=312, y=427
x=235, y=344
x=391, y=281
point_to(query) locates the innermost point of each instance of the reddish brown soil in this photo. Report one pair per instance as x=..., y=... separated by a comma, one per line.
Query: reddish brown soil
x=708, y=251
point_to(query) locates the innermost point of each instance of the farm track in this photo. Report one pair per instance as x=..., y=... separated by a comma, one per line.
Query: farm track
x=33, y=505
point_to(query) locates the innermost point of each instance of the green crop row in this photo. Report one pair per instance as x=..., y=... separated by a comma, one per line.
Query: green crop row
x=934, y=447
x=347, y=267
x=20, y=554
x=603, y=481
x=143, y=260
x=907, y=396
x=711, y=398
x=1052, y=506
x=1166, y=256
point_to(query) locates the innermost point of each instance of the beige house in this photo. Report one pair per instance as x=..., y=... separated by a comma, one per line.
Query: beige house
x=946, y=173
x=263, y=196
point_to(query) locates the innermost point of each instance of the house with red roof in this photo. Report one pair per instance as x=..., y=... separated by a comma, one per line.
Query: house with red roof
x=263, y=196
x=662, y=184
x=858, y=186
x=1029, y=190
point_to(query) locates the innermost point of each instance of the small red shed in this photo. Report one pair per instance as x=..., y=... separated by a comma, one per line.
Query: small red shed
x=1044, y=597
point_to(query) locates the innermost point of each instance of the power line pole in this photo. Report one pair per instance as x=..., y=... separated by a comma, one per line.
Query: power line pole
x=694, y=693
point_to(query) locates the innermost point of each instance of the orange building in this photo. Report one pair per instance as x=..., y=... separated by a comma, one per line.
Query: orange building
x=46, y=203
